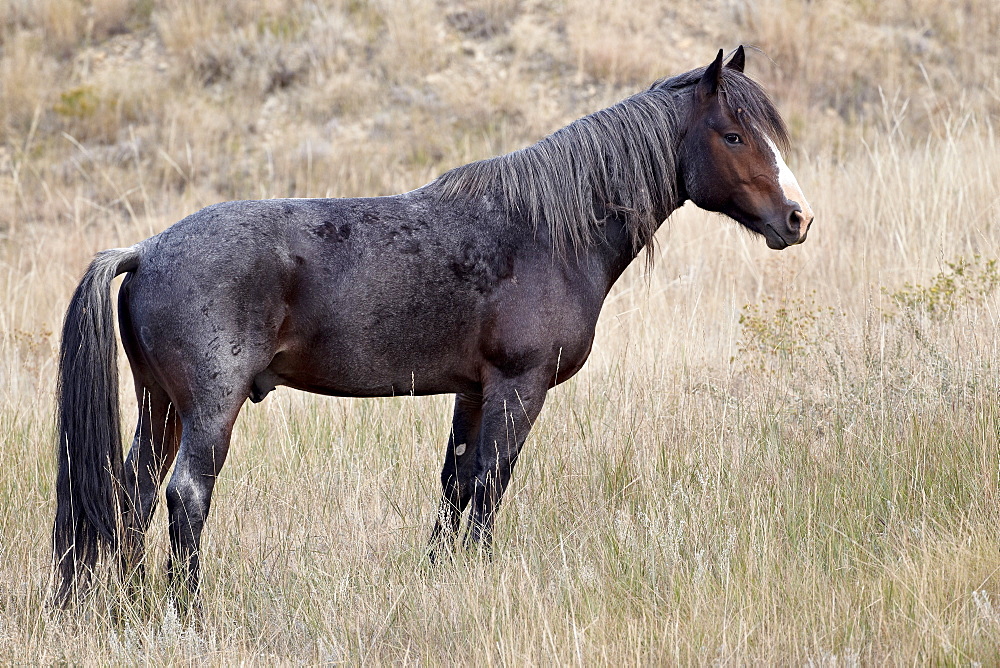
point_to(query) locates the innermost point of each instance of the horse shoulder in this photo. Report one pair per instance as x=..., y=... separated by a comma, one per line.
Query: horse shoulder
x=546, y=315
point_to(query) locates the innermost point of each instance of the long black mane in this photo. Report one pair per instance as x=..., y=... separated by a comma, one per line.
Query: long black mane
x=617, y=161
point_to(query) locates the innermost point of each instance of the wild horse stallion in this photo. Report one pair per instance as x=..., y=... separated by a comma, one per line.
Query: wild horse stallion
x=486, y=283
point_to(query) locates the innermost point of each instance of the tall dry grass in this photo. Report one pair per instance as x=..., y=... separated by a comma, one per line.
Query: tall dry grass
x=770, y=458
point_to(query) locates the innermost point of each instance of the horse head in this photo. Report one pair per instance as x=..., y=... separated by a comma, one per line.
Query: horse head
x=730, y=163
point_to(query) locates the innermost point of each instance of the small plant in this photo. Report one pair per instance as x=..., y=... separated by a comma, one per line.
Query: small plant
x=282, y=26
x=963, y=283
x=782, y=330
x=79, y=102
x=35, y=347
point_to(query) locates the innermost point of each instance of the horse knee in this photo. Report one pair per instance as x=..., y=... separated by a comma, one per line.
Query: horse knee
x=449, y=480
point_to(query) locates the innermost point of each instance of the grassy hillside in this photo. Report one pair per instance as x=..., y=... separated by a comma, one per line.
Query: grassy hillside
x=771, y=457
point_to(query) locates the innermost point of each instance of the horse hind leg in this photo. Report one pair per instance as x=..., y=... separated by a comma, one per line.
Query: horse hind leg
x=204, y=444
x=154, y=446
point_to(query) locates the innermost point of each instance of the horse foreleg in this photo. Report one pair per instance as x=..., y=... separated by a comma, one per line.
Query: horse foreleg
x=154, y=447
x=458, y=471
x=510, y=406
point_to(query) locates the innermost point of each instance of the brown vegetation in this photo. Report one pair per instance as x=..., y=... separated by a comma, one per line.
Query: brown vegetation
x=771, y=457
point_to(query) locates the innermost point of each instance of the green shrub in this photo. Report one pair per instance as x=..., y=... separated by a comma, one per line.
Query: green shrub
x=964, y=283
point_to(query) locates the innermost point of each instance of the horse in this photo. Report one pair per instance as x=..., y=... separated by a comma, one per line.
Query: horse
x=486, y=283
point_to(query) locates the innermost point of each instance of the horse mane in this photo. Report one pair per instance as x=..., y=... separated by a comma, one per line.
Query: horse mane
x=617, y=161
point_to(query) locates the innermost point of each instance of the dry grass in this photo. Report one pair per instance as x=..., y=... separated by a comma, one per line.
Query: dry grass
x=770, y=458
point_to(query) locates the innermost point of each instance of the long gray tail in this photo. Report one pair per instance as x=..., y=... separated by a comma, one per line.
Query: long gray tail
x=90, y=443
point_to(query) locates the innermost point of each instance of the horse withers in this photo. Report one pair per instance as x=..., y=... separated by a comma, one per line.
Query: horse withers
x=486, y=283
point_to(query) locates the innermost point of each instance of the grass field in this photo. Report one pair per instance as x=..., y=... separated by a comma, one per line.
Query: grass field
x=786, y=458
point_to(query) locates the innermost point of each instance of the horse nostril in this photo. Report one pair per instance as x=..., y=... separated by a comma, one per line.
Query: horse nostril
x=798, y=223
x=795, y=220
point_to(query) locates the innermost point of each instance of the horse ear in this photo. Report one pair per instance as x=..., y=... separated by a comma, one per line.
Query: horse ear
x=708, y=85
x=738, y=61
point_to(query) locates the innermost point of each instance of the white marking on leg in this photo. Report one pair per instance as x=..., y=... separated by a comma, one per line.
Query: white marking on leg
x=789, y=184
x=460, y=449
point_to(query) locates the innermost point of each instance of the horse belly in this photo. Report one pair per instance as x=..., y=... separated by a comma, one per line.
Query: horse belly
x=365, y=342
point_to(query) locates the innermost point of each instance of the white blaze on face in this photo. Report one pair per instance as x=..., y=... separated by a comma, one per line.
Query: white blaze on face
x=789, y=185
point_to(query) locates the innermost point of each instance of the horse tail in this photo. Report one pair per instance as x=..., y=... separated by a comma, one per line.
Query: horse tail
x=90, y=468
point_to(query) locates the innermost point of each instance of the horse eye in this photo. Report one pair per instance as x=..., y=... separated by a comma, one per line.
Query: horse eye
x=733, y=138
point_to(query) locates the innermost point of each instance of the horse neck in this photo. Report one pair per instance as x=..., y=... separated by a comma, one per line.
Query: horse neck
x=616, y=250
x=617, y=247
x=608, y=259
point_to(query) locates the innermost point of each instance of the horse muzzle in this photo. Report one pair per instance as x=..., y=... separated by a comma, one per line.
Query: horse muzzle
x=791, y=231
